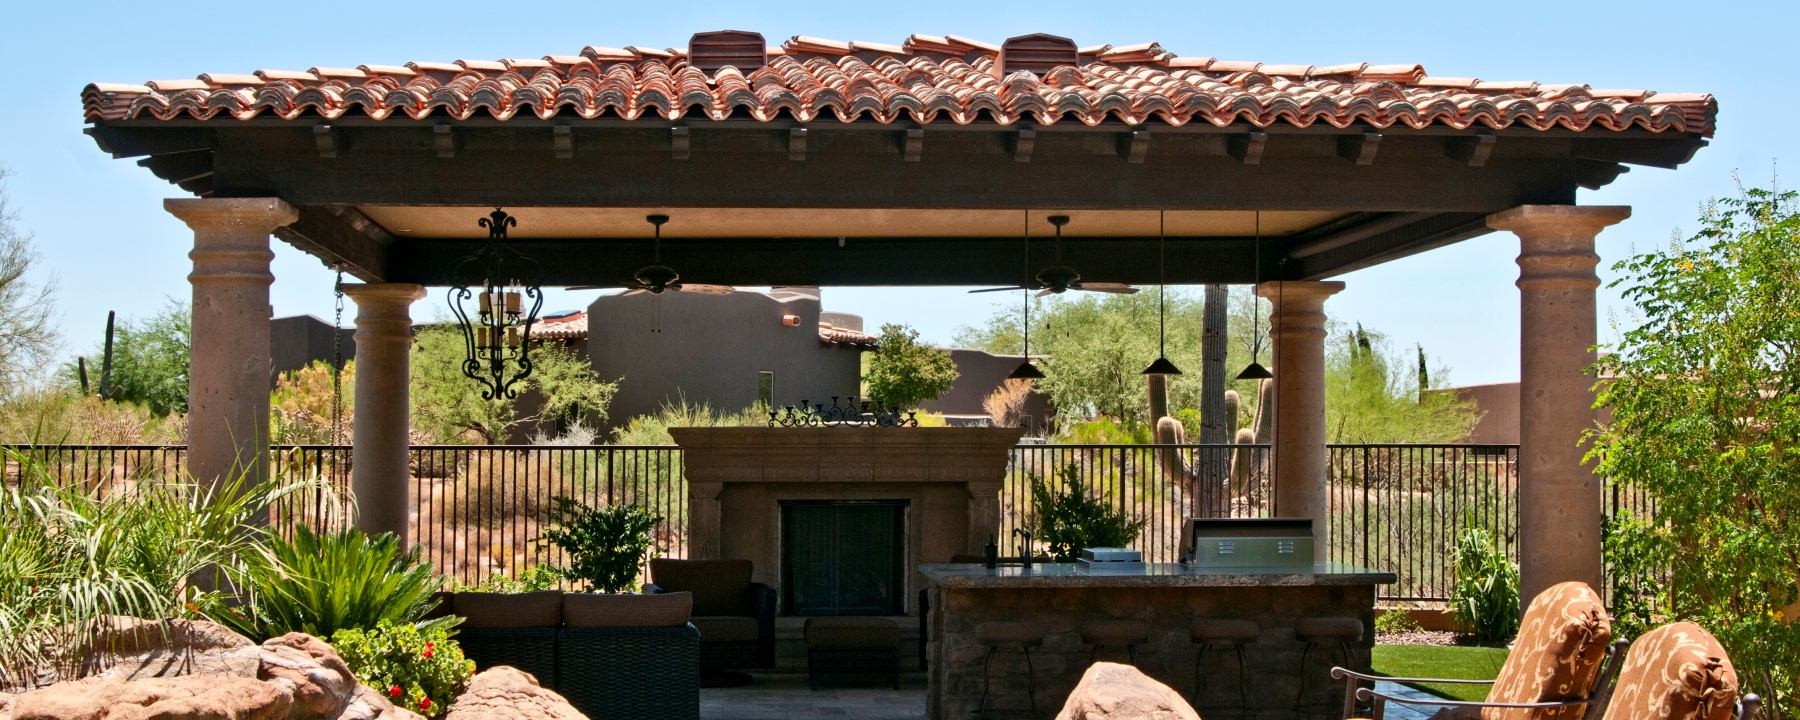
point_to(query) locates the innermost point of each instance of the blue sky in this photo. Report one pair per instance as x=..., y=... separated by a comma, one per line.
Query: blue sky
x=101, y=230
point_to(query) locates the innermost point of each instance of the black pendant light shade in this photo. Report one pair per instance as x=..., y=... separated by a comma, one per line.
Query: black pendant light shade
x=1162, y=366
x=1255, y=371
x=1026, y=371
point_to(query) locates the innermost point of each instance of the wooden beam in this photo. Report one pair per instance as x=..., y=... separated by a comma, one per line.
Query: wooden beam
x=340, y=235
x=1248, y=147
x=749, y=262
x=326, y=140
x=1356, y=233
x=1359, y=148
x=913, y=144
x=1410, y=239
x=180, y=167
x=565, y=142
x=444, y=140
x=1595, y=174
x=679, y=139
x=1134, y=146
x=1472, y=151
x=796, y=144
x=130, y=142
x=1650, y=152
x=1024, y=141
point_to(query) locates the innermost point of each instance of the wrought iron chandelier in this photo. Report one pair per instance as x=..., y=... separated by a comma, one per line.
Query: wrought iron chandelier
x=497, y=335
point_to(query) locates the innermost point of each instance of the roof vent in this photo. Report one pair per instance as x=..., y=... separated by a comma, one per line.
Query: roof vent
x=1037, y=52
x=743, y=50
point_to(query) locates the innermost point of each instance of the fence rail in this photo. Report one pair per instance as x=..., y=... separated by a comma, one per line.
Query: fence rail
x=479, y=510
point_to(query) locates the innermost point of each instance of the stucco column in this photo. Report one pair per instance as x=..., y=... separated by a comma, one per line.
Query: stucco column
x=1559, y=498
x=984, y=516
x=378, y=455
x=1297, y=323
x=703, y=519
x=228, y=361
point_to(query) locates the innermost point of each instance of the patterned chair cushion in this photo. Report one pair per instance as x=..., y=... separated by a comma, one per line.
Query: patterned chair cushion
x=1675, y=672
x=1562, y=639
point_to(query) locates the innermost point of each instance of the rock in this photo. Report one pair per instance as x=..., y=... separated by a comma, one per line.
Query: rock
x=189, y=697
x=322, y=683
x=370, y=704
x=6, y=705
x=1110, y=691
x=149, y=649
x=504, y=693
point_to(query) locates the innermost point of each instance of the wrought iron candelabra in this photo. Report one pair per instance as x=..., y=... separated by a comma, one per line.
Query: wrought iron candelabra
x=838, y=414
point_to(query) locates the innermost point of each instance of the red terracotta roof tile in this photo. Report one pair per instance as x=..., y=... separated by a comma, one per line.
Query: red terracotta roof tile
x=927, y=79
x=573, y=326
x=829, y=333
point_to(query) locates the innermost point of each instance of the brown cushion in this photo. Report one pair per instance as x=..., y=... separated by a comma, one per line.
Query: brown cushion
x=1562, y=639
x=1009, y=633
x=1675, y=672
x=732, y=628
x=852, y=633
x=720, y=587
x=1220, y=631
x=626, y=610
x=509, y=610
x=1115, y=632
x=1328, y=629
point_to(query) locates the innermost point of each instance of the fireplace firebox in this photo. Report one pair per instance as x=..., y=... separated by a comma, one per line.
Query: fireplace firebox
x=843, y=557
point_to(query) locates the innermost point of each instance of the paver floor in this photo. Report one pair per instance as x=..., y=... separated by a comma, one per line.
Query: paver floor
x=787, y=697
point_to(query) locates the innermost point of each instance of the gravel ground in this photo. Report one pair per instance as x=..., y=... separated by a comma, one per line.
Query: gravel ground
x=1417, y=637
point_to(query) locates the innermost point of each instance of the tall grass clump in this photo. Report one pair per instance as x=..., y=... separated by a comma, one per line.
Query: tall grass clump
x=73, y=555
x=319, y=584
x=1484, y=601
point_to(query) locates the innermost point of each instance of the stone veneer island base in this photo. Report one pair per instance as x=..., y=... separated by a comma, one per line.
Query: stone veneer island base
x=1061, y=597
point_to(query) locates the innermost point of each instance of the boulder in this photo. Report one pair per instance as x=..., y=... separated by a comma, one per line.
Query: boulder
x=504, y=693
x=6, y=705
x=189, y=697
x=322, y=684
x=1110, y=691
x=370, y=704
x=148, y=649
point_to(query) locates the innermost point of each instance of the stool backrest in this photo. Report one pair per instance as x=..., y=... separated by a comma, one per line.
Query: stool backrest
x=1675, y=672
x=1562, y=639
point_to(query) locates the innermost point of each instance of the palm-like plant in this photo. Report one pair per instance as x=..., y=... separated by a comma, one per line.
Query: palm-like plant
x=319, y=584
x=74, y=554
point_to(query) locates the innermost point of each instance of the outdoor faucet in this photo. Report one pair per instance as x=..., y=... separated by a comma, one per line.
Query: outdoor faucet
x=1024, y=547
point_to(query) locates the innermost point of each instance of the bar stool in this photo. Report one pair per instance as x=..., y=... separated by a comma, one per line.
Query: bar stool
x=1235, y=634
x=1327, y=631
x=1007, y=635
x=1115, y=633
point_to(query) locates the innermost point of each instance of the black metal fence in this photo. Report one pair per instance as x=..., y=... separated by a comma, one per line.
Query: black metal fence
x=480, y=510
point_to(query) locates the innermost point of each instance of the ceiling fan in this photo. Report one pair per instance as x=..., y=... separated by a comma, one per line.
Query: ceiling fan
x=1060, y=278
x=658, y=278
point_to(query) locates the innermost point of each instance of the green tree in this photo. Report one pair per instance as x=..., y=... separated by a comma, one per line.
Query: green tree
x=150, y=360
x=903, y=373
x=27, y=337
x=447, y=406
x=1705, y=400
x=1372, y=394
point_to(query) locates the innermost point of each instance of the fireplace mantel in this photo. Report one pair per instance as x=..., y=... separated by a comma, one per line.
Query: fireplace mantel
x=951, y=478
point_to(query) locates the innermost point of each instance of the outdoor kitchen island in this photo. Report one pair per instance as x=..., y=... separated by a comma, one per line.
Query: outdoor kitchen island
x=1060, y=597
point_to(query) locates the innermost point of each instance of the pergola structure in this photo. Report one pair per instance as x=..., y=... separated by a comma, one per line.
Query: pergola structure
x=819, y=162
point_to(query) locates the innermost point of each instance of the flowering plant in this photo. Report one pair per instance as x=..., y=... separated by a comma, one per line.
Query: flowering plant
x=420, y=670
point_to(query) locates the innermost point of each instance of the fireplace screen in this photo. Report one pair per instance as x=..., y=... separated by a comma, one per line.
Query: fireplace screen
x=843, y=557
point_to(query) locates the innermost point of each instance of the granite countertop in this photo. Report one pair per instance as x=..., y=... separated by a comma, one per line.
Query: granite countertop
x=1070, y=575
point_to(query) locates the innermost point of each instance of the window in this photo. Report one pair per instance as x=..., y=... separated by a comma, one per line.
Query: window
x=765, y=388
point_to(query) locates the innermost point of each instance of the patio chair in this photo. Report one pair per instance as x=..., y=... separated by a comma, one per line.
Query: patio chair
x=736, y=617
x=1553, y=673
x=1678, y=672
x=624, y=657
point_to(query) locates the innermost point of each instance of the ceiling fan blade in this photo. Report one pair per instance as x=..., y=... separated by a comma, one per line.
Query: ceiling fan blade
x=596, y=287
x=633, y=291
x=1115, y=288
x=1046, y=292
x=1004, y=289
x=704, y=289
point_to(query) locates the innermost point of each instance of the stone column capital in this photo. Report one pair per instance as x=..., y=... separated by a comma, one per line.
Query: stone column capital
x=258, y=216
x=1546, y=221
x=383, y=310
x=1299, y=295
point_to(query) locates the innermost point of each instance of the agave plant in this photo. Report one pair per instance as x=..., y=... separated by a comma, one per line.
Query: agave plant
x=319, y=584
x=75, y=553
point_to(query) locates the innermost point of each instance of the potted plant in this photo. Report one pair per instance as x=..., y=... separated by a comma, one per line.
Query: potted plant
x=606, y=547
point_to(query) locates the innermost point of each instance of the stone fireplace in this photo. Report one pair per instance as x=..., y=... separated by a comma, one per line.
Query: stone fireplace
x=822, y=510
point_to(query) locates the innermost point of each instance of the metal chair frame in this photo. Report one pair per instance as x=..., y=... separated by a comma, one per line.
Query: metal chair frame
x=1596, y=700
x=987, y=682
x=1242, y=709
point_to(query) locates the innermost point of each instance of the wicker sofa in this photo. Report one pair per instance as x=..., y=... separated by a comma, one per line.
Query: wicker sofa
x=611, y=656
x=736, y=617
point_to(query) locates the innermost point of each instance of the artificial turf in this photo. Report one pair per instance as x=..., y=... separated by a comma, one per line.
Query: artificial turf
x=1436, y=661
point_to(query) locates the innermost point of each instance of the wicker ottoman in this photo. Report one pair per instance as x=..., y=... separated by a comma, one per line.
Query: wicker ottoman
x=852, y=646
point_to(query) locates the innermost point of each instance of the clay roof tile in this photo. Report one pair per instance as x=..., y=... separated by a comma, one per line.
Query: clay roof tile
x=1232, y=66
x=525, y=63
x=1344, y=69
x=482, y=65
x=974, y=44
x=177, y=85
x=606, y=53
x=395, y=70
x=816, y=46
x=644, y=52
x=1191, y=63
x=862, y=46
x=1619, y=94
x=1507, y=86
x=1297, y=71
x=328, y=73
x=435, y=67
x=229, y=79
x=287, y=75
x=1447, y=82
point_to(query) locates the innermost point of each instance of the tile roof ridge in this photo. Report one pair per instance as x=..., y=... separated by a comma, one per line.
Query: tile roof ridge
x=226, y=79
x=816, y=46
x=974, y=44
x=288, y=75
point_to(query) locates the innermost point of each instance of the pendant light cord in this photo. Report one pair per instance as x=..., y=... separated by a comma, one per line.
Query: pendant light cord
x=1027, y=285
x=1162, y=276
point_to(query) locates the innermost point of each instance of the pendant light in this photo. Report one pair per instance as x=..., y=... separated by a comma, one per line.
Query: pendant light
x=1255, y=370
x=1161, y=366
x=1026, y=370
x=497, y=331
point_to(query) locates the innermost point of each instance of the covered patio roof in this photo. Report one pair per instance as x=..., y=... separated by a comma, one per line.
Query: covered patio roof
x=853, y=163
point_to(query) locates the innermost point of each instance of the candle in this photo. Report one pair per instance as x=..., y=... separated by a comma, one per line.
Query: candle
x=512, y=336
x=484, y=303
x=512, y=303
x=481, y=333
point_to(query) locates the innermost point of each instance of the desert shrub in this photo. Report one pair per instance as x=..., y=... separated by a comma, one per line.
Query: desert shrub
x=1070, y=520
x=1106, y=431
x=606, y=547
x=420, y=669
x=1484, y=599
x=320, y=584
x=904, y=373
x=1395, y=620
x=537, y=577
